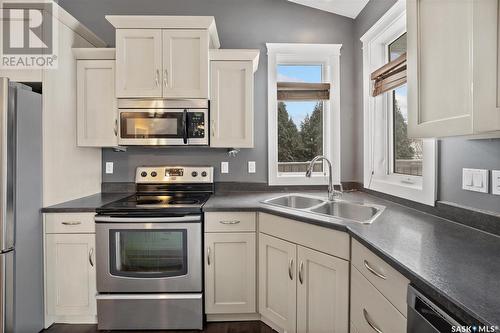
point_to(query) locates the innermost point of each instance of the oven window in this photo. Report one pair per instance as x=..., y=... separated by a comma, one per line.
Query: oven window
x=148, y=253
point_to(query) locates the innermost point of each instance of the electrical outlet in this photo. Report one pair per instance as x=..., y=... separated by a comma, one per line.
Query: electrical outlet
x=251, y=166
x=495, y=182
x=109, y=167
x=224, y=167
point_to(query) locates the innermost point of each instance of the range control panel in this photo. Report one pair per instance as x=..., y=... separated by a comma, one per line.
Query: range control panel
x=174, y=174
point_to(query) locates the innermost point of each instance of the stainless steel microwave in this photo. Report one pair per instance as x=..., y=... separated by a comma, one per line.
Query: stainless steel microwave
x=145, y=122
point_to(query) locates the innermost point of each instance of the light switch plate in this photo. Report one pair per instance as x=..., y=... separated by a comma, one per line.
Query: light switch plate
x=224, y=167
x=109, y=167
x=475, y=180
x=251, y=166
x=495, y=182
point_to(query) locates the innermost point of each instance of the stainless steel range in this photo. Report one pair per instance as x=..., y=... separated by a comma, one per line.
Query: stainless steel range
x=149, y=251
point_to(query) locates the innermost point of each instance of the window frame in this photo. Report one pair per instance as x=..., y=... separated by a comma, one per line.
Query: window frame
x=378, y=113
x=327, y=55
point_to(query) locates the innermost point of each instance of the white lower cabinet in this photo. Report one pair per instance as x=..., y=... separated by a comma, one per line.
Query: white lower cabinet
x=70, y=278
x=300, y=289
x=230, y=273
x=277, y=282
x=322, y=292
x=370, y=310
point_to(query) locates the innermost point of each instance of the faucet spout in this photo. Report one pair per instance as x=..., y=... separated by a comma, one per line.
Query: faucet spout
x=332, y=193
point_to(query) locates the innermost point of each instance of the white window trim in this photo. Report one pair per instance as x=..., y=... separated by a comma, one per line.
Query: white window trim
x=377, y=175
x=329, y=56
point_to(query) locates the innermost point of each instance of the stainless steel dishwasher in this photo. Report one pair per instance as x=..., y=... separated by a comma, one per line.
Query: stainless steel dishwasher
x=424, y=316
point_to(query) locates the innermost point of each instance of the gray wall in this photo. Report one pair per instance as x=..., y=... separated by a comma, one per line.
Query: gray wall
x=454, y=153
x=250, y=24
x=241, y=24
x=458, y=153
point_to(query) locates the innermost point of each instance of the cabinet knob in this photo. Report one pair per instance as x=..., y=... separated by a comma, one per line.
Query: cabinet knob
x=208, y=255
x=301, y=272
x=290, y=269
x=165, y=78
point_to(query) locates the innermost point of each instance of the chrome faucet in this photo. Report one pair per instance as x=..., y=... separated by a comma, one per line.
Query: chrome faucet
x=332, y=193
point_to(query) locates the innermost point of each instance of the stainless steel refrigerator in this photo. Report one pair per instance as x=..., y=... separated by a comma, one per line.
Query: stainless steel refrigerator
x=21, y=279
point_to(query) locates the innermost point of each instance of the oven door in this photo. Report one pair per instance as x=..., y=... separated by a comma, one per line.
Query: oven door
x=148, y=254
x=163, y=127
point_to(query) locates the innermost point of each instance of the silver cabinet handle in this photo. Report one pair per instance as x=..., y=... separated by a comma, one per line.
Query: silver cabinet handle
x=71, y=222
x=208, y=255
x=165, y=78
x=157, y=78
x=116, y=127
x=301, y=272
x=213, y=127
x=230, y=222
x=369, y=322
x=373, y=271
x=91, y=261
x=290, y=267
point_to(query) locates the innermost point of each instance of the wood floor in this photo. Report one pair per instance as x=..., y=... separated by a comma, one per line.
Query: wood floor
x=227, y=327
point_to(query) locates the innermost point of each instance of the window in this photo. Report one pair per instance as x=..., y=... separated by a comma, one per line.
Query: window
x=393, y=163
x=406, y=152
x=303, y=97
x=300, y=122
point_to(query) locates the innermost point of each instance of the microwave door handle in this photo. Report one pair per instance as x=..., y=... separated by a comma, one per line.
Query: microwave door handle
x=185, y=127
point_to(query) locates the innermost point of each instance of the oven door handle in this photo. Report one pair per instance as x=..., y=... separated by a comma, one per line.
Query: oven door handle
x=185, y=127
x=110, y=219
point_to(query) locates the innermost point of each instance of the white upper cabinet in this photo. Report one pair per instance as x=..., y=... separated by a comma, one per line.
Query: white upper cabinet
x=185, y=63
x=138, y=63
x=96, y=103
x=163, y=56
x=453, y=82
x=231, y=92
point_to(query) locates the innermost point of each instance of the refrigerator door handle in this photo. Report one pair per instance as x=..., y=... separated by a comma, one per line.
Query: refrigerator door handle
x=7, y=166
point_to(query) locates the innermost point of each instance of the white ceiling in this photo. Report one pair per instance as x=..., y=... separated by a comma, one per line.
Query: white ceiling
x=349, y=8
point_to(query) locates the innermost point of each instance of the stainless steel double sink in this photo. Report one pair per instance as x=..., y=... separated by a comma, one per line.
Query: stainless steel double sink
x=342, y=209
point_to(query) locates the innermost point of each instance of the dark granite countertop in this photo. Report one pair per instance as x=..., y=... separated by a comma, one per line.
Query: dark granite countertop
x=85, y=204
x=457, y=266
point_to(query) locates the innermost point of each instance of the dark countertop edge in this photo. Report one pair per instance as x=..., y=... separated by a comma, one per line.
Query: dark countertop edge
x=443, y=299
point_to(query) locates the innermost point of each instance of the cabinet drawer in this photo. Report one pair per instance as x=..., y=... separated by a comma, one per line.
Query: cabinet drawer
x=230, y=222
x=69, y=223
x=386, y=279
x=370, y=310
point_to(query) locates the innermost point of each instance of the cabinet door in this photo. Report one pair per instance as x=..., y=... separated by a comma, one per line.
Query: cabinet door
x=231, y=112
x=138, y=63
x=322, y=292
x=70, y=275
x=486, y=66
x=439, y=67
x=96, y=103
x=230, y=270
x=185, y=63
x=277, y=286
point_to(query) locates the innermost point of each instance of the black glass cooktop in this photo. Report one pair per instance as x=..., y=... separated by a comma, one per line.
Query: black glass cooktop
x=176, y=202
